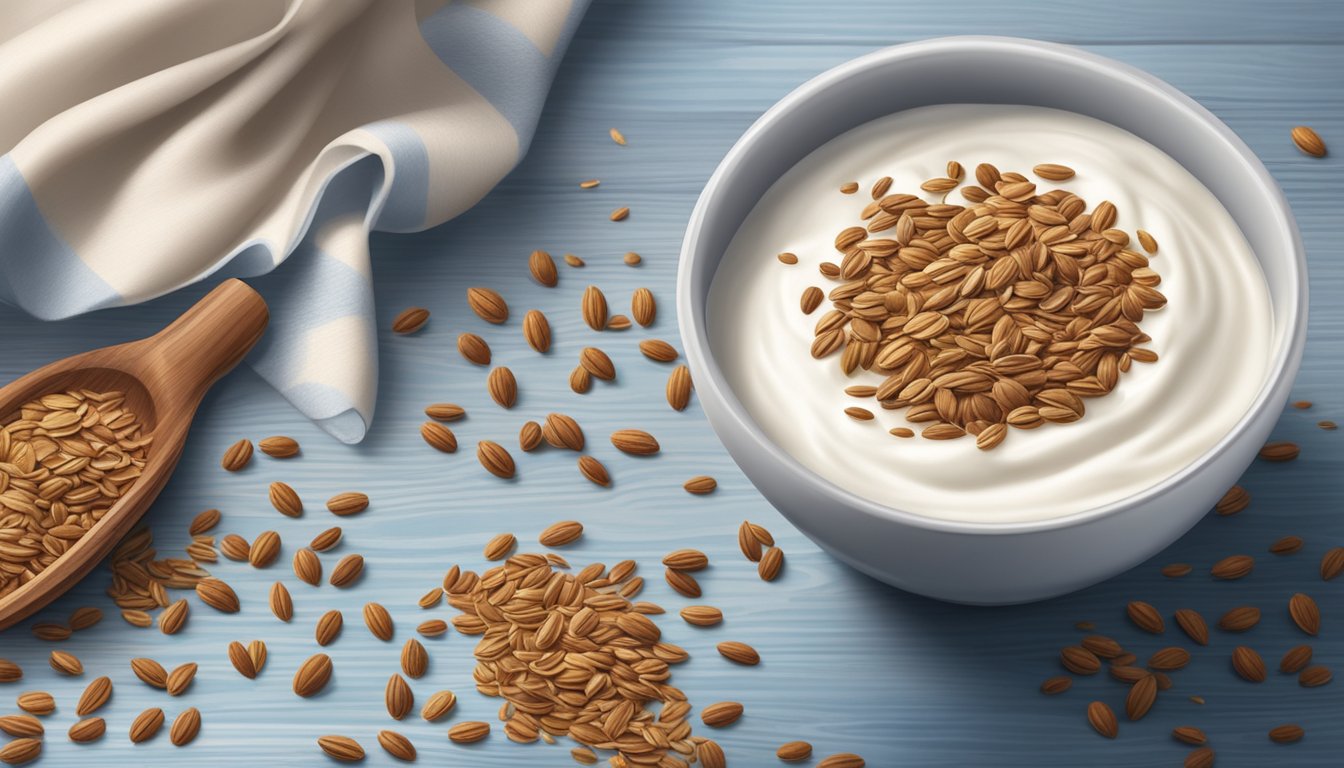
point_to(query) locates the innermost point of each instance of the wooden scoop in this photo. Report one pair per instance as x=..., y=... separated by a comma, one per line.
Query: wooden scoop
x=164, y=378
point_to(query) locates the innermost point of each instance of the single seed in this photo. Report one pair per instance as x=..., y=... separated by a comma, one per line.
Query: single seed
x=1102, y=719
x=1286, y=734
x=1286, y=545
x=398, y=697
x=772, y=561
x=597, y=363
x=1280, y=451
x=1145, y=617
x=179, y=680
x=495, y=459
x=150, y=672
x=237, y=456
x=468, y=732
x=264, y=550
x=1189, y=734
x=739, y=653
x=94, y=696
x=438, y=436
x=561, y=533
x=594, y=471
x=328, y=627
x=342, y=748
x=410, y=320
x=720, y=714
x=1176, y=570
x=500, y=546
x=1314, y=676
x=66, y=663
x=794, y=751
x=1239, y=619
x=1332, y=563
x=312, y=675
x=378, y=621
x=1056, y=685
x=87, y=730
x=529, y=436
x=347, y=571
x=1248, y=664
x=488, y=304
x=202, y=523
x=473, y=348
x=282, y=605
x=1235, y=500
x=438, y=705
x=700, y=485
x=1295, y=660
x=503, y=387
x=397, y=745
x=146, y=725
x=537, y=331
x=594, y=308
x=542, y=266
x=1308, y=141
x=21, y=751
x=1234, y=567
x=1305, y=613
x=185, y=727
x=445, y=411
x=643, y=307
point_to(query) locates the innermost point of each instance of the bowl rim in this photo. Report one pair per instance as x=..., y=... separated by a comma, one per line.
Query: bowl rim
x=709, y=378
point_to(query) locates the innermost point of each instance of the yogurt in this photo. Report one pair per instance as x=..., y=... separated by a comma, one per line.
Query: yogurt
x=1212, y=337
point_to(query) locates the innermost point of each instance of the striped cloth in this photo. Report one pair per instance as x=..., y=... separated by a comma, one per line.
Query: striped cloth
x=151, y=144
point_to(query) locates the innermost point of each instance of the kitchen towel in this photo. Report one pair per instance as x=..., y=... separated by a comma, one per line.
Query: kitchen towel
x=151, y=144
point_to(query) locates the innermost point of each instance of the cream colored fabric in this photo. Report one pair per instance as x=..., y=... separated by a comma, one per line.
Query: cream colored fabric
x=150, y=144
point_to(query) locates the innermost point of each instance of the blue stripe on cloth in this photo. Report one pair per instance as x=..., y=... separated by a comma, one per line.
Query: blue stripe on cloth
x=312, y=288
x=38, y=271
x=497, y=60
x=404, y=209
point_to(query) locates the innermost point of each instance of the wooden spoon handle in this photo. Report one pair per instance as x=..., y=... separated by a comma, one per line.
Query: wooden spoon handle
x=205, y=342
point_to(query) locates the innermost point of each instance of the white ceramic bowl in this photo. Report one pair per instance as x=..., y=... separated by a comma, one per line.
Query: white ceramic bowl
x=969, y=562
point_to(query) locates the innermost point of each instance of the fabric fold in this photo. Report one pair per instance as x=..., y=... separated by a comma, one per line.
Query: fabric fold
x=263, y=142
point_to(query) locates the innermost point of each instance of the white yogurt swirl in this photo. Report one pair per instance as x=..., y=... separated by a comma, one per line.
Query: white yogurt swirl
x=1212, y=338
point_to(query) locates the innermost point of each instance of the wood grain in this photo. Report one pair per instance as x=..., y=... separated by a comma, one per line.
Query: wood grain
x=163, y=378
x=898, y=679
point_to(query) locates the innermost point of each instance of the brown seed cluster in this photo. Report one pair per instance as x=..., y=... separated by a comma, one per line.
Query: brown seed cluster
x=1005, y=312
x=65, y=459
x=573, y=657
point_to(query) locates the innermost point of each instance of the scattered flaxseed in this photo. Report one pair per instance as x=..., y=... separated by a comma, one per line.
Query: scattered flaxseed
x=410, y=320
x=1308, y=141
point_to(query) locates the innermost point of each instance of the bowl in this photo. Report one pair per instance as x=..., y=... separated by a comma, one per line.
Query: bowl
x=985, y=563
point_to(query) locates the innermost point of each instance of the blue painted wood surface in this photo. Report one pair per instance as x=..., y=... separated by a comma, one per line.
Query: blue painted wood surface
x=849, y=664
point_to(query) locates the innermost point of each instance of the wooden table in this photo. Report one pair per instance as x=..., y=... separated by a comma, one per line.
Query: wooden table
x=849, y=664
